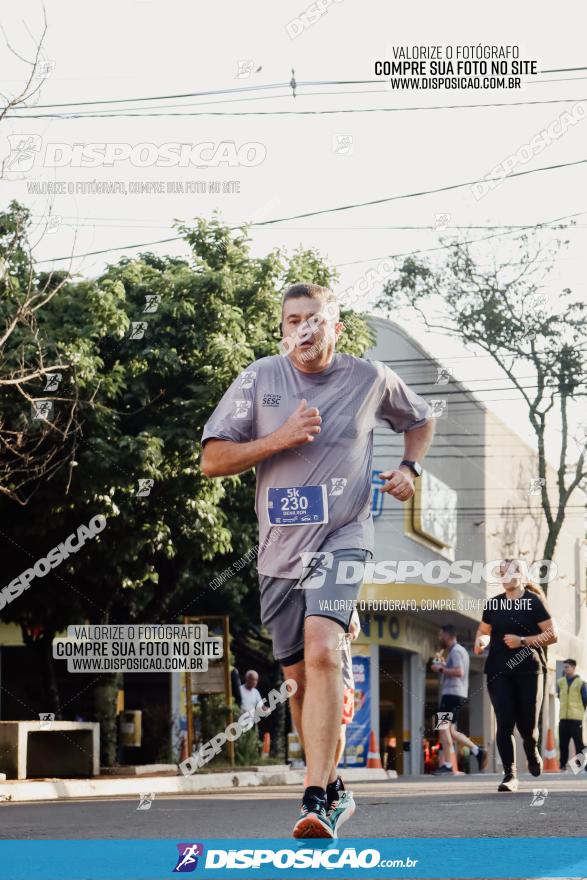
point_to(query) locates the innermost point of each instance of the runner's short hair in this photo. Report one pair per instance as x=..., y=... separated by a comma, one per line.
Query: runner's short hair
x=313, y=291
x=570, y=662
x=449, y=629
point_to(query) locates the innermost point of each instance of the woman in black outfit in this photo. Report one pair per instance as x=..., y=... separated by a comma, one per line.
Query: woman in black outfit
x=520, y=626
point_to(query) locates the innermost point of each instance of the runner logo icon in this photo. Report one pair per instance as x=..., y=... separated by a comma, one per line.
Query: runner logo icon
x=187, y=860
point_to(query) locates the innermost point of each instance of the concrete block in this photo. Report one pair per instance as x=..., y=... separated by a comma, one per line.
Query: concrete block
x=59, y=749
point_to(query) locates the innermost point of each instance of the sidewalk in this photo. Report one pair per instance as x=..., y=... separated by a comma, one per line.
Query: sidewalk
x=19, y=790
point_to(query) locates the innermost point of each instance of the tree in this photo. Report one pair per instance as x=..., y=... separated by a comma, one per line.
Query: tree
x=38, y=69
x=502, y=310
x=161, y=339
x=37, y=368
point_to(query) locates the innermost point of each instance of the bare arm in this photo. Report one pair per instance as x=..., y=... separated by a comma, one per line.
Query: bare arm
x=484, y=629
x=223, y=458
x=548, y=636
x=418, y=440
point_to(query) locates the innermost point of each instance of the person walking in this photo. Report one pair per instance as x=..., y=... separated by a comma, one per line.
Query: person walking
x=520, y=627
x=572, y=693
x=454, y=691
x=304, y=420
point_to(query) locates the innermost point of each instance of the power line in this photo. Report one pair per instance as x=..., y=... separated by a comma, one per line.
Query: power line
x=138, y=223
x=339, y=208
x=129, y=113
x=451, y=444
x=454, y=381
x=481, y=512
x=468, y=457
x=230, y=91
x=432, y=359
x=518, y=506
x=563, y=69
x=560, y=79
x=443, y=247
x=417, y=193
x=348, y=82
x=251, y=88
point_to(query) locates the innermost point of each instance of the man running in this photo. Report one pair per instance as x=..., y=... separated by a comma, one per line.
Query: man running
x=304, y=420
x=454, y=691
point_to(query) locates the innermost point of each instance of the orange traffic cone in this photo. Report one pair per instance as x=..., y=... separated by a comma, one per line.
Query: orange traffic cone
x=266, y=745
x=373, y=758
x=550, y=762
x=454, y=762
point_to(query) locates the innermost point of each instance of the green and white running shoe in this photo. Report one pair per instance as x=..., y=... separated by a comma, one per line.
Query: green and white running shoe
x=313, y=821
x=341, y=810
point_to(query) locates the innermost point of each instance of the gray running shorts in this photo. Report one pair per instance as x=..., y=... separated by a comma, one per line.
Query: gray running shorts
x=285, y=603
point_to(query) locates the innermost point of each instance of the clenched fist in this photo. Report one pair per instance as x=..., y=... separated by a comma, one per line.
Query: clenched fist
x=301, y=427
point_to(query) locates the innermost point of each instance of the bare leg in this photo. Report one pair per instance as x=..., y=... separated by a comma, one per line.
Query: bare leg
x=446, y=743
x=296, y=701
x=322, y=705
x=338, y=754
x=297, y=672
x=460, y=737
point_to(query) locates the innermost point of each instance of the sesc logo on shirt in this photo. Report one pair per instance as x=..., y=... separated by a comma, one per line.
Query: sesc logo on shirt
x=271, y=399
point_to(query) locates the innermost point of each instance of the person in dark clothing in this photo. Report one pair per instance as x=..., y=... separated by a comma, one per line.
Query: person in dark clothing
x=235, y=686
x=520, y=626
x=572, y=693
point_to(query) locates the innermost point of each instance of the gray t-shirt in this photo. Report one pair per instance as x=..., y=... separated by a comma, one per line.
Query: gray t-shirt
x=351, y=395
x=458, y=687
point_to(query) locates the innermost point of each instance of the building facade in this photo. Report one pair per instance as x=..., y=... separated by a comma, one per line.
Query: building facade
x=474, y=504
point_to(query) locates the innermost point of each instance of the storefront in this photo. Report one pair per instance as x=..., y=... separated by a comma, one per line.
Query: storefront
x=404, y=692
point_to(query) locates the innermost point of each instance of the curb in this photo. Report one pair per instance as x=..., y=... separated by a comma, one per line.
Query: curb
x=15, y=791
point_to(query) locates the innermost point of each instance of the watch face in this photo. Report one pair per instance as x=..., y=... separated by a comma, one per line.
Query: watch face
x=414, y=467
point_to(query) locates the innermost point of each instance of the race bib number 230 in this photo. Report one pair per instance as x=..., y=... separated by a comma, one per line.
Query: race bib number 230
x=297, y=506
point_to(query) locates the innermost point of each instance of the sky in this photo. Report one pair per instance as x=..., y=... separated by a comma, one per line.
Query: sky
x=303, y=162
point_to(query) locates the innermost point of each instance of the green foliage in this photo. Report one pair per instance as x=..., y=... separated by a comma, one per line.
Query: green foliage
x=248, y=748
x=212, y=713
x=142, y=406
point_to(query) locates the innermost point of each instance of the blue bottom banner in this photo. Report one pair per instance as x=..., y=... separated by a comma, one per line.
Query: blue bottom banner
x=461, y=857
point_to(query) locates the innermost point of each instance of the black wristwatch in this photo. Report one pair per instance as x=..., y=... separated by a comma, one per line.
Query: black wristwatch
x=415, y=468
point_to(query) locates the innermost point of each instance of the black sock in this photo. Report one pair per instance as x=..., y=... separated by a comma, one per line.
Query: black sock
x=314, y=791
x=333, y=788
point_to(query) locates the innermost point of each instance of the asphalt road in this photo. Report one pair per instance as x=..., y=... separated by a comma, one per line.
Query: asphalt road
x=421, y=807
